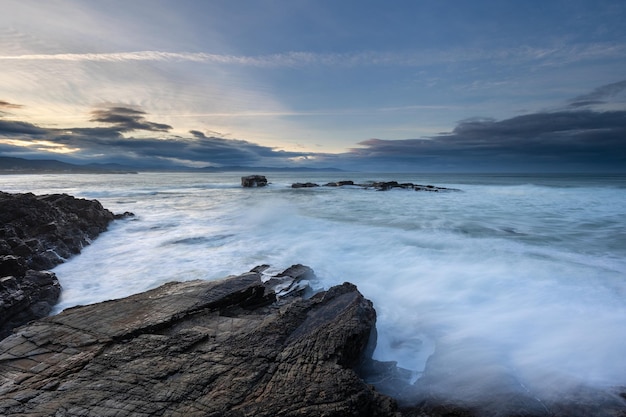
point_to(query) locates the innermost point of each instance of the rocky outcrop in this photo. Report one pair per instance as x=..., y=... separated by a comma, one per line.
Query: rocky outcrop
x=377, y=185
x=253, y=181
x=197, y=348
x=339, y=183
x=45, y=230
x=36, y=234
x=304, y=185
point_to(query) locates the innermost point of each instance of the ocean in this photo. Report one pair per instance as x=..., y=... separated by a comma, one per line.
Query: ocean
x=526, y=273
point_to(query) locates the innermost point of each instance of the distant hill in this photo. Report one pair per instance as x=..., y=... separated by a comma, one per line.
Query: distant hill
x=236, y=168
x=10, y=165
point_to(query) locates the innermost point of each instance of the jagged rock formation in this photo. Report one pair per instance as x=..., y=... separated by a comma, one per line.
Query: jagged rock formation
x=38, y=233
x=45, y=230
x=197, y=348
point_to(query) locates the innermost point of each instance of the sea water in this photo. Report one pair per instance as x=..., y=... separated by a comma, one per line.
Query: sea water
x=525, y=273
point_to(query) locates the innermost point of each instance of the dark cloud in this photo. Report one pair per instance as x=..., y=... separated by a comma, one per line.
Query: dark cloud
x=577, y=140
x=558, y=141
x=11, y=128
x=126, y=119
x=197, y=134
x=599, y=95
x=7, y=105
x=109, y=144
x=210, y=133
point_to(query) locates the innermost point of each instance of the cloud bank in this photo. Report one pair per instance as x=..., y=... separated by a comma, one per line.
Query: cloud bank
x=576, y=138
x=582, y=140
x=112, y=143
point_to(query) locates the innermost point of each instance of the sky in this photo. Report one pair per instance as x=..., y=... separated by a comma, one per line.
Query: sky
x=404, y=85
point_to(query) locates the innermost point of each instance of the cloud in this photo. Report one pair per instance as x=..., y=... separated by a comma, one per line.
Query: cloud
x=126, y=119
x=7, y=105
x=108, y=143
x=577, y=140
x=198, y=134
x=551, y=141
x=10, y=127
x=552, y=56
x=211, y=133
x=599, y=95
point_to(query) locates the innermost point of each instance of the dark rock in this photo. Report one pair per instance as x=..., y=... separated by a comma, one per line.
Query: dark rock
x=197, y=348
x=432, y=188
x=388, y=185
x=11, y=265
x=38, y=233
x=253, y=181
x=304, y=185
x=124, y=215
x=293, y=281
x=25, y=298
x=339, y=183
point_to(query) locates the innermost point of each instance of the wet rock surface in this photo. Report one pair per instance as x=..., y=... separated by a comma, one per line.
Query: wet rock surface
x=36, y=234
x=197, y=348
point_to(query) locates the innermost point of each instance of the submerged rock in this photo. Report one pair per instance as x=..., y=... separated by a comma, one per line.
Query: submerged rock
x=304, y=185
x=340, y=183
x=197, y=348
x=38, y=233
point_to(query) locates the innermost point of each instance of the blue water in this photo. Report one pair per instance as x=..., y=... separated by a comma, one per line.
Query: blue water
x=525, y=272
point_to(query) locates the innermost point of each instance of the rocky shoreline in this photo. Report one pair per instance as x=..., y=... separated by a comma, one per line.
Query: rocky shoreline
x=246, y=345
x=36, y=234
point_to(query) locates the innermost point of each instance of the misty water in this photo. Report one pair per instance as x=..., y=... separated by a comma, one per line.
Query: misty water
x=522, y=273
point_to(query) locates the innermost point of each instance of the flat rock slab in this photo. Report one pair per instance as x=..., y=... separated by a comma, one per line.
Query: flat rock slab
x=196, y=348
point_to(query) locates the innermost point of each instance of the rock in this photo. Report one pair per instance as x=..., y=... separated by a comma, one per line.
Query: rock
x=197, y=348
x=292, y=281
x=432, y=188
x=38, y=233
x=25, y=298
x=253, y=181
x=304, y=185
x=339, y=183
x=11, y=265
x=388, y=185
